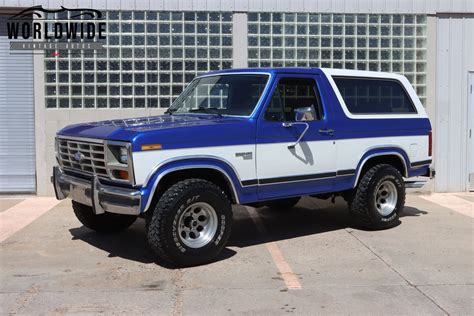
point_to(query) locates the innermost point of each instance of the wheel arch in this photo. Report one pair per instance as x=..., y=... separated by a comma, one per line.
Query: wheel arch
x=394, y=156
x=217, y=171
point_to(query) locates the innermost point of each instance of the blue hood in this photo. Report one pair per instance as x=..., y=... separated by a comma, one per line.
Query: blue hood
x=171, y=131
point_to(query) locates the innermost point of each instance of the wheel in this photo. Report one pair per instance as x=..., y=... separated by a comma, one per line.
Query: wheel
x=282, y=204
x=106, y=223
x=190, y=223
x=379, y=197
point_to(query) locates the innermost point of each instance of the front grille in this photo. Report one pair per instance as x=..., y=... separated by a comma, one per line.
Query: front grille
x=83, y=156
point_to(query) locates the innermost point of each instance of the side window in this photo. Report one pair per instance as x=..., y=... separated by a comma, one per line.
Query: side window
x=374, y=96
x=291, y=94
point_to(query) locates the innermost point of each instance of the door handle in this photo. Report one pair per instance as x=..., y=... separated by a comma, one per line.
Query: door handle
x=326, y=131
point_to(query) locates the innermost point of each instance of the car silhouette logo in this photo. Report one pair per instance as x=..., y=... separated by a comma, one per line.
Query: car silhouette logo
x=78, y=156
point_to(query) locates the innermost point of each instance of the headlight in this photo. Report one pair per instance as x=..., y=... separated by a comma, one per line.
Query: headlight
x=123, y=155
x=117, y=155
x=118, y=161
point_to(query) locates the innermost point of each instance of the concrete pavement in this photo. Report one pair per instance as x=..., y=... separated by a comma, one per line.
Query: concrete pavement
x=423, y=266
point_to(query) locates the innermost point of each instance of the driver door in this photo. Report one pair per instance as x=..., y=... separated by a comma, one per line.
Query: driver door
x=296, y=152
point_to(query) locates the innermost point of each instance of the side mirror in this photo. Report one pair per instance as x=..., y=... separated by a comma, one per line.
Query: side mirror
x=305, y=114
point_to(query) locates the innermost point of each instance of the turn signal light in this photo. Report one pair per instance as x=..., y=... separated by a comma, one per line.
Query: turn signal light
x=151, y=147
x=123, y=174
x=430, y=144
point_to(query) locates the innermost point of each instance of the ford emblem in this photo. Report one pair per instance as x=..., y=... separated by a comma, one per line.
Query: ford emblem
x=78, y=156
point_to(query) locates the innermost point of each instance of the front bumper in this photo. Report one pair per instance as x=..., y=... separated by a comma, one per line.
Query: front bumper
x=102, y=198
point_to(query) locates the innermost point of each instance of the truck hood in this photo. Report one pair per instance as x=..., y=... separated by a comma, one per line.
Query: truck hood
x=171, y=131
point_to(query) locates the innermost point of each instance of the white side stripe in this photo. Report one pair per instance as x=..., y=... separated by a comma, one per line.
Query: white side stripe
x=276, y=160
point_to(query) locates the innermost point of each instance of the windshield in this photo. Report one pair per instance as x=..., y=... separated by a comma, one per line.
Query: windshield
x=221, y=94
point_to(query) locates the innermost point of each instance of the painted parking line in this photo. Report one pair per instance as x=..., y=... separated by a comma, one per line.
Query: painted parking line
x=286, y=273
x=20, y=215
x=452, y=202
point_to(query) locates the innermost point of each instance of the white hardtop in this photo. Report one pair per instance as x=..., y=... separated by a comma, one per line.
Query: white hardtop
x=330, y=73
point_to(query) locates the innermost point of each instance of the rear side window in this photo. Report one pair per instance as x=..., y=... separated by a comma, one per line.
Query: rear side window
x=374, y=96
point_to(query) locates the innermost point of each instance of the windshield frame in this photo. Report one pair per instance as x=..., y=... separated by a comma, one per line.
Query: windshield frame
x=257, y=105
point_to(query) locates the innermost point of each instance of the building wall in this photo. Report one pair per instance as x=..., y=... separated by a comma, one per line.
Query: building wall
x=455, y=58
x=118, y=81
x=148, y=59
x=321, y=6
x=49, y=120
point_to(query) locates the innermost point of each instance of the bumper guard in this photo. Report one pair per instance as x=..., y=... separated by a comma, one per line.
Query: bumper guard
x=102, y=198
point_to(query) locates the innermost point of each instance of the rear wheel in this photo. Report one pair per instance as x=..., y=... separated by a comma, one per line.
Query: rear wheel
x=191, y=223
x=379, y=197
x=106, y=222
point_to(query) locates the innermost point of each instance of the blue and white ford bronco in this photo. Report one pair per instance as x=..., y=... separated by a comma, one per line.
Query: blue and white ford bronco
x=251, y=137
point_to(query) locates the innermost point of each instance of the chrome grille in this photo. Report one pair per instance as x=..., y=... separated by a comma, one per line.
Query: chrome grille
x=83, y=156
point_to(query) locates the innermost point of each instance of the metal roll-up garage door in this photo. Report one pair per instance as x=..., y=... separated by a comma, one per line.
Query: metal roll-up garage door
x=17, y=121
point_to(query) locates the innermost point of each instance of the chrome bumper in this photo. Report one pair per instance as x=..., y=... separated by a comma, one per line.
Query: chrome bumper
x=420, y=181
x=102, y=198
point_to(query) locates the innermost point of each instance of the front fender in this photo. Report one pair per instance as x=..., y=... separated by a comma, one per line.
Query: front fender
x=149, y=187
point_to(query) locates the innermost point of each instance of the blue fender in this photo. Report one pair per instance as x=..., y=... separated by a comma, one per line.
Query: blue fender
x=382, y=151
x=204, y=162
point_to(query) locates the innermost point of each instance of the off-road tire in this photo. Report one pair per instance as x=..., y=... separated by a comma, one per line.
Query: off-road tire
x=363, y=205
x=105, y=223
x=162, y=227
x=282, y=204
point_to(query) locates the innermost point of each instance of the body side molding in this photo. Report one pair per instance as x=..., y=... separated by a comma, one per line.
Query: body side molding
x=420, y=163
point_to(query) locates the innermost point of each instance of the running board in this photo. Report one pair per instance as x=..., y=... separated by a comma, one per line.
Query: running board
x=414, y=184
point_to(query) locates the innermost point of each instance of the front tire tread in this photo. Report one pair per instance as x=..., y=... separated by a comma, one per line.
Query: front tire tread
x=158, y=220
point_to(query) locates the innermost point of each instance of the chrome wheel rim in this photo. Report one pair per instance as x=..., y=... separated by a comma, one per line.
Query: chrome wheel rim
x=386, y=197
x=197, y=225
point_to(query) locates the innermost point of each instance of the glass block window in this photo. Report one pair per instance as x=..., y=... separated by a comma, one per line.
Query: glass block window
x=148, y=59
x=376, y=42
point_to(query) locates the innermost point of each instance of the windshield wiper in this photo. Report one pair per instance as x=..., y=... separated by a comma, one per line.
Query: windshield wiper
x=206, y=110
x=170, y=111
